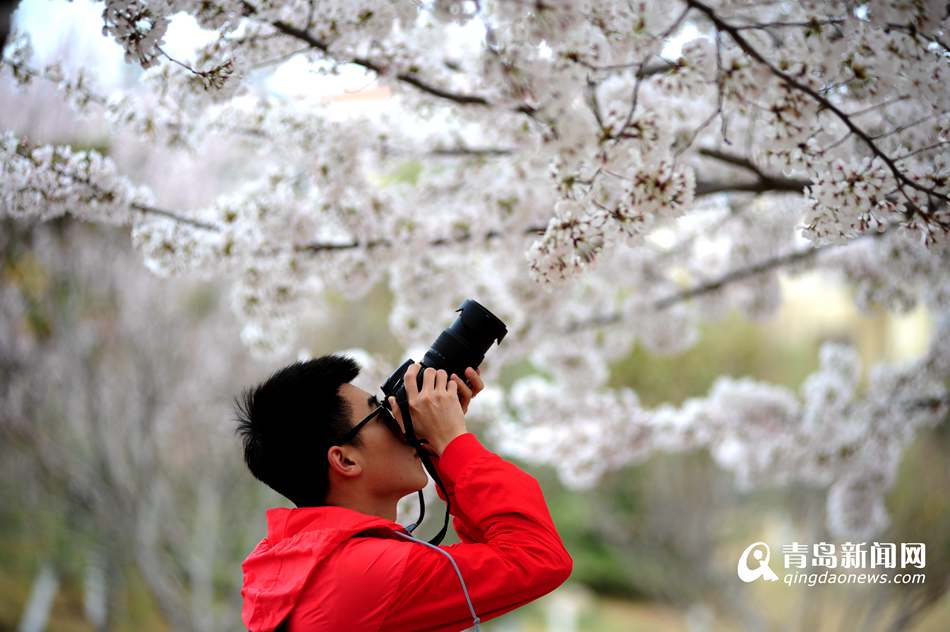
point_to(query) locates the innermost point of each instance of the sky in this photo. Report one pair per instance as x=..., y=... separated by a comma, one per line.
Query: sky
x=77, y=25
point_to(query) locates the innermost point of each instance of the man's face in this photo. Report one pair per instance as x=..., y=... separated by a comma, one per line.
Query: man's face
x=389, y=465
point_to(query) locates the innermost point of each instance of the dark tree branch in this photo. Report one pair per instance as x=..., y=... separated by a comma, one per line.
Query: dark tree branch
x=408, y=78
x=379, y=69
x=471, y=151
x=732, y=159
x=911, y=30
x=718, y=283
x=766, y=265
x=778, y=185
x=931, y=403
x=23, y=150
x=901, y=178
x=641, y=74
x=375, y=243
x=718, y=111
x=594, y=105
x=151, y=210
x=646, y=71
x=764, y=184
x=810, y=24
x=740, y=274
x=876, y=106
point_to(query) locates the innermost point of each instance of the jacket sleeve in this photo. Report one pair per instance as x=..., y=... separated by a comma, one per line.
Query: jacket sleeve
x=510, y=552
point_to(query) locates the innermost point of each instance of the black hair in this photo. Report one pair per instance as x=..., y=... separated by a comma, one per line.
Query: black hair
x=289, y=421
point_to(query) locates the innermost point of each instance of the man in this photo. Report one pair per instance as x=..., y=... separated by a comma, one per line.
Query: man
x=338, y=560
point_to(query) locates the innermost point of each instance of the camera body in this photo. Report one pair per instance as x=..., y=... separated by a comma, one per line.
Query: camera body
x=463, y=344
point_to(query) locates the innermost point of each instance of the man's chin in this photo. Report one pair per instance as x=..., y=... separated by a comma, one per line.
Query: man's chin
x=423, y=477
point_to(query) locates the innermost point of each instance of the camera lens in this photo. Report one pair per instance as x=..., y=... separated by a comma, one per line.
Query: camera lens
x=463, y=344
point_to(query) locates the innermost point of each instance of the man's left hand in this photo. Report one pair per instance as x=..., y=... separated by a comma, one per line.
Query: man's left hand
x=465, y=393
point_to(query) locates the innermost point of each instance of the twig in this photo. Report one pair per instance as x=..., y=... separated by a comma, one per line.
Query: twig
x=405, y=77
x=732, y=159
x=182, y=64
x=902, y=97
x=913, y=32
x=902, y=179
x=743, y=273
x=922, y=150
x=769, y=25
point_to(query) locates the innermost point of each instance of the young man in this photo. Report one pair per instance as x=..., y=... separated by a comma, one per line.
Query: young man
x=338, y=560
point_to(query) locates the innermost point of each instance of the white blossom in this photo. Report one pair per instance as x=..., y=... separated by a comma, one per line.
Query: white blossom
x=561, y=169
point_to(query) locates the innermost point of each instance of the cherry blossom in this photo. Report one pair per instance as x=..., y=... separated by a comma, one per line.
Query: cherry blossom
x=598, y=174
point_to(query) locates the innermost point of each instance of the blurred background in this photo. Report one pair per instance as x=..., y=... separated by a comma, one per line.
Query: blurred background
x=125, y=505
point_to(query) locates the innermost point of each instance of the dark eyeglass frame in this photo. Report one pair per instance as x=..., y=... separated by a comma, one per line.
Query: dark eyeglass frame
x=387, y=418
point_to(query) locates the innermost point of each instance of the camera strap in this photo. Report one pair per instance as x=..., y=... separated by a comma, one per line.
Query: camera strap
x=475, y=620
x=430, y=467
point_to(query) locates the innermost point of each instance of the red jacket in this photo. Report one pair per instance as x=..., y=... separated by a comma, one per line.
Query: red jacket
x=333, y=568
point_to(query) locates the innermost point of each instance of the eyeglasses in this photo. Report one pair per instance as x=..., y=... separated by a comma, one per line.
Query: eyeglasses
x=387, y=417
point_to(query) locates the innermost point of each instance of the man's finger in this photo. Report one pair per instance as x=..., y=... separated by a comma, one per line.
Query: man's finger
x=394, y=407
x=476, y=380
x=428, y=379
x=409, y=381
x=463, y=387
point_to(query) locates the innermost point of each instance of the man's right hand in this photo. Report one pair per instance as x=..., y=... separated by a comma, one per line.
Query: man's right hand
x=436, y=411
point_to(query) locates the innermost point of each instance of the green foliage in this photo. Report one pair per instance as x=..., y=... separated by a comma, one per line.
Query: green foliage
x=406, y=173
x=735, y=346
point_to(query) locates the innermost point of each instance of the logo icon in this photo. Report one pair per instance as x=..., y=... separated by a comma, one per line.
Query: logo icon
x=760, y=568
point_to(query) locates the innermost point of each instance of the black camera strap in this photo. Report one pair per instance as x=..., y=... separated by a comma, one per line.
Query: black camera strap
x=430, y=467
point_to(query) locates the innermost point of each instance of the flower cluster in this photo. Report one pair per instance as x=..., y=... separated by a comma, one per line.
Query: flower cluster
x=570, y=242
x=664, y=189
x=560, y=145
x=47, y=181
x=692, y=71
x=849, y=200
x=833, y=438
x=137, y=29
x=894, y=272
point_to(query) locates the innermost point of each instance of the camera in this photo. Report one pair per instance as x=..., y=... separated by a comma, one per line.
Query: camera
x=463, y=344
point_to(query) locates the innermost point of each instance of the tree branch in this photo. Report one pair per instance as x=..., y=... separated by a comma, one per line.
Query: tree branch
x=901, y=178
x=23, y=151
x=764, y=184
x=442, y=241
x=743, y=273
x=911, y=30
x=471, y=151
x=732, y=276
x=151, y=210
x=408, y=78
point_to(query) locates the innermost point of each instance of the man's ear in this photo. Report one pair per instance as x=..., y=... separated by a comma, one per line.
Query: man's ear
x=343, y=462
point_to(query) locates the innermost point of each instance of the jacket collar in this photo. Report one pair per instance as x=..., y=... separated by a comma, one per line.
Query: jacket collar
x=285, y=522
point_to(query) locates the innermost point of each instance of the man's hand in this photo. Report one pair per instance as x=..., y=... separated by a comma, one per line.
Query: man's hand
x=464, y=392
x=437, y=415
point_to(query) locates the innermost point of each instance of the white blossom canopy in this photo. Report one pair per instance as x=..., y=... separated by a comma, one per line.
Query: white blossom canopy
x=574, y=169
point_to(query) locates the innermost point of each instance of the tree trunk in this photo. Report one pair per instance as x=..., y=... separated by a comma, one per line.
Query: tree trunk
x=38, y=606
